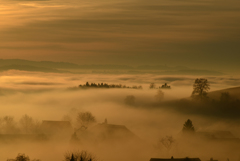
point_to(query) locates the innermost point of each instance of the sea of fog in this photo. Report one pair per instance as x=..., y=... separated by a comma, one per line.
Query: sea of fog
x=49, y=96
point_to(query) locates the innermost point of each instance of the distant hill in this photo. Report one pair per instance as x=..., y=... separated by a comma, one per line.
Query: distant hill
x=161, y=67
x=58, y=65
x=192, y=72
x=45, y=64
x=29, y=68
x=65, y=67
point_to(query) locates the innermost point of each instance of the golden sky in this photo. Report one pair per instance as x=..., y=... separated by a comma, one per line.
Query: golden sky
x=199, y=33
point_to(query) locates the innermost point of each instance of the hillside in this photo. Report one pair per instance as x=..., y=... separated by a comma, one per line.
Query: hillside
x=29, y=68
x=65, y=67
x=234, y=93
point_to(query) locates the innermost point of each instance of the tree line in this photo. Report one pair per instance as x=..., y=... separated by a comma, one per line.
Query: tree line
x=105, y=85
x=26, y=125
x=68, y=156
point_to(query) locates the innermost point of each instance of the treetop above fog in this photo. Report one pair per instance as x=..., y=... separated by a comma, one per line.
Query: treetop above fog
x=200, y=88
x=105, y=85
x=188, y=126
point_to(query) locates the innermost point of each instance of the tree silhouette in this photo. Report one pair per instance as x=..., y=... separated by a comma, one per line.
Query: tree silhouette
x=84, y=119
x=160, y=95
x=8, y=125
x=188, y=126
x=130, y=100
x=27, y=124
x=167, y=142
x=22, y=157
x=225, y=97
x=79, y=156
x=72, y=158
x=152, y=86
x=200, y=88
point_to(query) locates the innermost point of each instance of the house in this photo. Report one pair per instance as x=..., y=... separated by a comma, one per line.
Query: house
x=56, y=127
x=175, y=159
x=217, y=135
x=211, y=159
x=109, y=132
x=105, y=132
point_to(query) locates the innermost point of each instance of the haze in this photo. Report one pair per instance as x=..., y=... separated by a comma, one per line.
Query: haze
x=202, y=34
x=49, y=96
x=122, y=80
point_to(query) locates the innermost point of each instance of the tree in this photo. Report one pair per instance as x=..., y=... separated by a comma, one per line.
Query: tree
x=84, y=119
x=22, y=157
x=167, y=142
x=200, y=88
x=130, y=100
x=72, y=158
x=27, y=124
x=225, y=97
x=159, y=96
x=188, y=126
x=8, y=125
x=79, y=156
x=152, y=86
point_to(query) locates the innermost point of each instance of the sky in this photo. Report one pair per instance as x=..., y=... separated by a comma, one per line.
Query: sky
x=202, y=34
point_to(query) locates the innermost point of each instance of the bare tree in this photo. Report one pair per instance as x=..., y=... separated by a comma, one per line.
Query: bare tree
x=200, y=88
x=27, y=123
x=85, y=119
x=167, y=142
x=8, y=125
x=79, y=156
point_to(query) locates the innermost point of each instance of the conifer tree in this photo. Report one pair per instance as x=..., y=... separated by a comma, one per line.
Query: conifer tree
x=188, y=126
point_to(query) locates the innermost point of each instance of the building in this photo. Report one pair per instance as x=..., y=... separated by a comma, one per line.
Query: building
x=56, y=127
x=218, y=135
x=111, y=132
x=175, y=159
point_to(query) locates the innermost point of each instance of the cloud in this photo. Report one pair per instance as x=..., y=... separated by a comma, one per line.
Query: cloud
x=40, y=83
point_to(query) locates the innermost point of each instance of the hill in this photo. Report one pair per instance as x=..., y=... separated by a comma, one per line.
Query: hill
x=233, y=92
x=29, y=68
x=65, y=67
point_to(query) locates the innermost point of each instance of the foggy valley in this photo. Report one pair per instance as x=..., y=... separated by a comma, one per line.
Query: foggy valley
x=47, y=116
x=119, y=80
